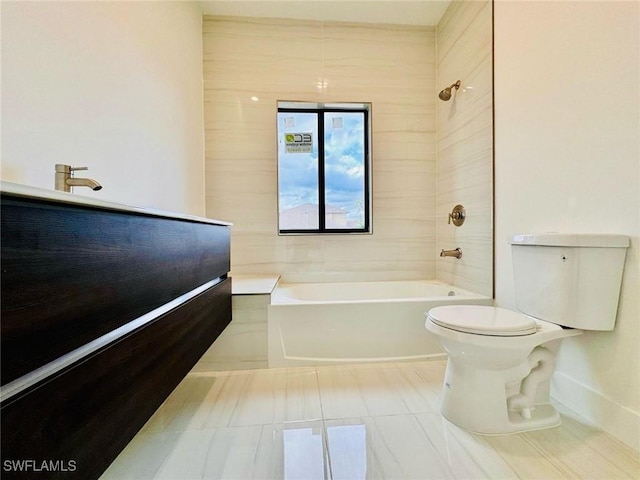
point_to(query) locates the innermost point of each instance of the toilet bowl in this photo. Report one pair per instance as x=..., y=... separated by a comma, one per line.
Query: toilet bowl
x=492, y=350
x=500, y=361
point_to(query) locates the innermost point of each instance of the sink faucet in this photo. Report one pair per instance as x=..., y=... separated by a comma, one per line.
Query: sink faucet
x=65, y=180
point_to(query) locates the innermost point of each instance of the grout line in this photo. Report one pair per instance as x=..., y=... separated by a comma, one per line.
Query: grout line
x=325, y=441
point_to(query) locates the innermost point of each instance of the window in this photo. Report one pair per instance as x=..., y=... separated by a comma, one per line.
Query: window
x=324, y=168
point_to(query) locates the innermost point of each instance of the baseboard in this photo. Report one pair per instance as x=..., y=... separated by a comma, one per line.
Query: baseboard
x=605, y=413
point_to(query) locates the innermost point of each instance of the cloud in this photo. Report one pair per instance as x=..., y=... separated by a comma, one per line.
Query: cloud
x=344, y=165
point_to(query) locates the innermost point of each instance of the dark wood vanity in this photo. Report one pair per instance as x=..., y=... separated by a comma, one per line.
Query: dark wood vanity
x=105, y=309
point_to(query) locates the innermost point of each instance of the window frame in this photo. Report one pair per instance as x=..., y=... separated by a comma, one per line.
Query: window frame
x=320, y=109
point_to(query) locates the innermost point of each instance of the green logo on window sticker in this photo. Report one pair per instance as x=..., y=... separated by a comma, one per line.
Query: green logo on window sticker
x=298, y=142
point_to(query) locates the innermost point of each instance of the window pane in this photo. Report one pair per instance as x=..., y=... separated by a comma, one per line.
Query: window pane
x=344, y=173
x=298, y=170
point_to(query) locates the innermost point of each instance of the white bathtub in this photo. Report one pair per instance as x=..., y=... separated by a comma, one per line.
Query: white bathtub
x=325, y=323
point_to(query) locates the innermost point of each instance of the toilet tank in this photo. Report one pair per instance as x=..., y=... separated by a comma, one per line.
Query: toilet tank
x=569, y=279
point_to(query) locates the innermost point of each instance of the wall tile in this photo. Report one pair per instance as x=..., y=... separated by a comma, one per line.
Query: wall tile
x=391, y=66
x=464, y=142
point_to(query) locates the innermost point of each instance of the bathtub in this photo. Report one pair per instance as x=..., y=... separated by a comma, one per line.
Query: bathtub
x=330, y=323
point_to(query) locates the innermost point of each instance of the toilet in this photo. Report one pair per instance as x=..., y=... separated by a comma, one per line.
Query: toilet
x=500, y=361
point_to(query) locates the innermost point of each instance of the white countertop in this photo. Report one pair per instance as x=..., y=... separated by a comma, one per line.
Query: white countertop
x=25, y=191
x=253, y=284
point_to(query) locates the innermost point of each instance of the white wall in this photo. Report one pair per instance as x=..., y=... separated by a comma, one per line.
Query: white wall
x=391, y=66
x=567, y=159
x=114, y=86
x=465, y=144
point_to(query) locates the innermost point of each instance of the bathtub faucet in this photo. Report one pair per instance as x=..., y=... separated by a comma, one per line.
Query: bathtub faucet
x=451, y=253
x=65, y=180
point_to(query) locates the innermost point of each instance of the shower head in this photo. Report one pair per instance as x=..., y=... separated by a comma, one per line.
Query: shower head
x=446, y=93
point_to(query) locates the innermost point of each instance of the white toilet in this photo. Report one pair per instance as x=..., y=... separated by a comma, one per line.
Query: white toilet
x=499, y=361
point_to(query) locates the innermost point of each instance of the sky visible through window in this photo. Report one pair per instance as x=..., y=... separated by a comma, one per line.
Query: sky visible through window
x=344, y=157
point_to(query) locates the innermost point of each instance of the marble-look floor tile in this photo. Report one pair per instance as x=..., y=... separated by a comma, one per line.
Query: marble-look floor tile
x=584, y=452
x=294, y=423
x=211, y=402
x=228, y=364
x=420, y=384
x=176, y=412
x=278, y=395
x=523, y=458
x=380, y=389
x=611, y=448
x=466, y=456
x=263, y=399
x=187, y=459
x=302, y=395
x=339, y=393
x=393, y=446
x=143, y=457
x=252, y=452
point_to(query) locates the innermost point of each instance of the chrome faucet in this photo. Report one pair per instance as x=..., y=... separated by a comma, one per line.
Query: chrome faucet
x=451, y=253
x=65, y=180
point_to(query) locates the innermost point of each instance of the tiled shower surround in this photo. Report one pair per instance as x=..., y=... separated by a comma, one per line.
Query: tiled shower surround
x=465, y=144
x=394, y=68
x=390, y=66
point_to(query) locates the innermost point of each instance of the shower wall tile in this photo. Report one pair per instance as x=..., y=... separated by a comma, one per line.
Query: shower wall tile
x=465, y=146
x=393, y=67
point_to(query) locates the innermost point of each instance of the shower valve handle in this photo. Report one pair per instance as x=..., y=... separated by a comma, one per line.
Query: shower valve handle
x=457, y=215
x=454, y=216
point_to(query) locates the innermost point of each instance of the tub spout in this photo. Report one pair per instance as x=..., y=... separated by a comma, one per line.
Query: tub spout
x=65, y=180
x=451, y=253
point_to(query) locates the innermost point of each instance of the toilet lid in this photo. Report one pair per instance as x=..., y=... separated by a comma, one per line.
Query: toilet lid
x=482, y=320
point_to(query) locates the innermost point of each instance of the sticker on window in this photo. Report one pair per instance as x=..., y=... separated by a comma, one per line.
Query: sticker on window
x=298, y=142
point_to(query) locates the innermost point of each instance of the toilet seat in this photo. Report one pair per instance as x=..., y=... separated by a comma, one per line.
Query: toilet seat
x=483, y=320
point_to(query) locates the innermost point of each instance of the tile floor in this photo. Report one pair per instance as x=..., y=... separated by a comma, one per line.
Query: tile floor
x=349, y=422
